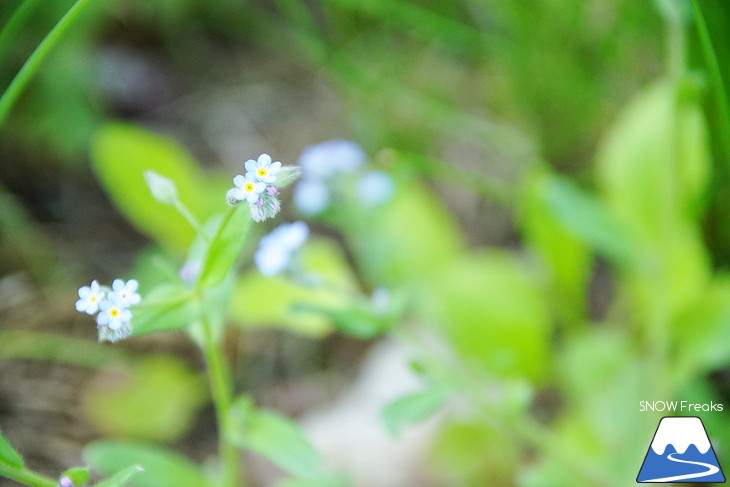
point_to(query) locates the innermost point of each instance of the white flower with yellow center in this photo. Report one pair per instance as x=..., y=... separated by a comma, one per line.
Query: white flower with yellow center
x=262, y=169
x=89, y=298
x=113, y=315
x=247, y=188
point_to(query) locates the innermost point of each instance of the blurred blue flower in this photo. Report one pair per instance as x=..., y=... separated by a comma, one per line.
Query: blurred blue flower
x=374, y=188
x=326, y=159
x=276, y=249
x=311, y=197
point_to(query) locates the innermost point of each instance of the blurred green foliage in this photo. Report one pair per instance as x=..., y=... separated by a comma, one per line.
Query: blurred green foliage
x=609, y=156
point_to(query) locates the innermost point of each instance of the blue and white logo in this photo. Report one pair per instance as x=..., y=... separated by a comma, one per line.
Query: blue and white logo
x=680, y=452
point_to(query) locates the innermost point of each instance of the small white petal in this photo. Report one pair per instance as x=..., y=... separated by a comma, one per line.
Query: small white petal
x=239, y=180
x=264, y=160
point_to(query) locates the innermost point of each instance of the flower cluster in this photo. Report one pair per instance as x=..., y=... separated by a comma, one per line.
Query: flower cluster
x=259, y=187
x=112, y=305
x=277, y=249
x=329, y=166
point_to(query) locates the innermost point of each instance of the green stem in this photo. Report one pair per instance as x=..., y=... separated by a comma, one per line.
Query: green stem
x=33, y=63
x=25, y=476
x=222, y=392
x=187, y=214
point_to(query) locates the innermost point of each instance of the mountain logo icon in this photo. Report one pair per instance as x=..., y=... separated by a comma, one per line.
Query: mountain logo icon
x=680, y=452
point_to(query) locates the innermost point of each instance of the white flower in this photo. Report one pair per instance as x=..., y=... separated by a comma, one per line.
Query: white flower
x=311, y=197
x=262, y=169
x=125, y=292
x=89, y=298
x=113, y=314
x=247, y=188
x=375, y=188
x=323, y=160
x=277, y=249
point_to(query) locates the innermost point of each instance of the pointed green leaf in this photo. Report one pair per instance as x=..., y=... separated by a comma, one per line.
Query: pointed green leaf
x=9, y=455
x=274, y=437
x=162, y=467
x=166, y=307
x=121, y=478
x=587, y=219
x=226, y=238
x=413, y=408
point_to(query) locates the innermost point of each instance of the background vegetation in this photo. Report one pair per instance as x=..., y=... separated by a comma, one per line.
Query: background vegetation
x=557, y=245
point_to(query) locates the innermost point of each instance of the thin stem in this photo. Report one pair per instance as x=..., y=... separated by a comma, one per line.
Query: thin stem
x=33, y=63
x=222, y=392
x=185, y=213
x=25, y=476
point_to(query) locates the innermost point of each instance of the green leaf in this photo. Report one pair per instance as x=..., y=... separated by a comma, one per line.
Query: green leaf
x=155, y=399
x=585, y=218
x=162, y=467
x=413, y=408
x=274, y=437
x=227, y=237
x=566, y=256
x=121, y=478
x=493, y=313
x=410, y=239
x=9, y=455
x=78, y=475
x=166, y=307
x=653, y=165
x=122, y=153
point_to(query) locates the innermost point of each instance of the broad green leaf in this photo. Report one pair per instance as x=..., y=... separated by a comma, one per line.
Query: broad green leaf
x=78, y=475
x=155, y=399
x=278, y=301
x=587, y=219
x=162, y=467
x=407, y=241
x=276, y=438
x=653, y=165
x=413, y=408
x=494, y=315
x=700, y=331
x=226, y=238
x=565, y=255
x=121, y=478
x=9, y=455
x=166, y=307
x=121, y=154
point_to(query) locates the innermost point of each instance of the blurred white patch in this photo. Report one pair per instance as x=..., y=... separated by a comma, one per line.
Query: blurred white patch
x=350, y=434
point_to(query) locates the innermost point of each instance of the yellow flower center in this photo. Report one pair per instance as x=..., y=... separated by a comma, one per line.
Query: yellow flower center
x=92, y=299
x=262, y=172
x=248, y=187
x=114, y=312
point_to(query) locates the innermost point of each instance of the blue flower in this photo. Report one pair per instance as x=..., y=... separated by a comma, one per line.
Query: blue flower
x=247, y=188
x=326, y=159
x=276, y=250
x=374, y=188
